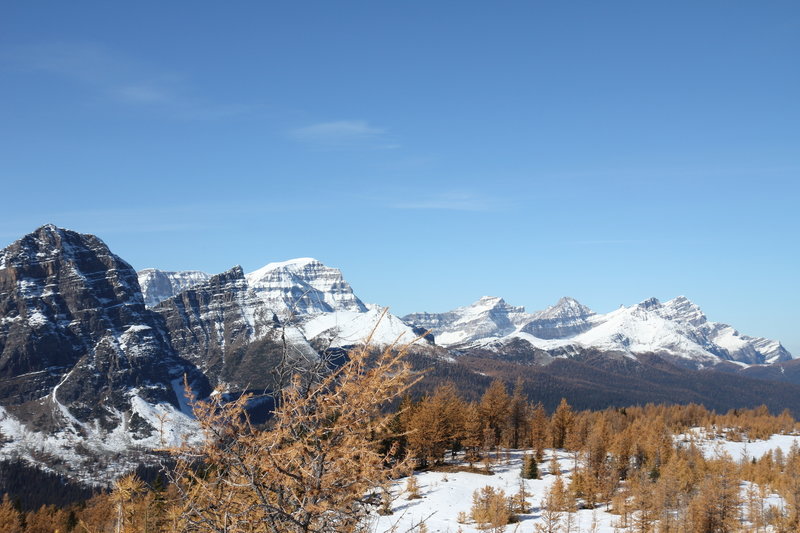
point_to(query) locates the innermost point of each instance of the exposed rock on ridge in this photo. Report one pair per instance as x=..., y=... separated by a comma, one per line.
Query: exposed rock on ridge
x=73, y=320
x=677, y=329
x=303, y=287
x=158, y=285
x=223, y=327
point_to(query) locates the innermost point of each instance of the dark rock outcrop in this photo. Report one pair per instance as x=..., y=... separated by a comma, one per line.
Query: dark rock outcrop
x=74, y=331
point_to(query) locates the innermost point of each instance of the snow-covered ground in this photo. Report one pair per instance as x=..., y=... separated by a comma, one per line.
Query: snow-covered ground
x=91, y=454
x=444, y=495
x=746, y=449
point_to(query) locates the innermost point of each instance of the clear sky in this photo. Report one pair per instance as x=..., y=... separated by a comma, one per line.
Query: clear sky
x=434, y=151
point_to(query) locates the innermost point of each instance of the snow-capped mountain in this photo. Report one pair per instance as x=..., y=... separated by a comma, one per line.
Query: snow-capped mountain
x=230, y=334
x=316, y=298
x=565, y=319
x=82, y=361
x=676, y=328
x=158, y=285
x=488, y=317
x=303, y=286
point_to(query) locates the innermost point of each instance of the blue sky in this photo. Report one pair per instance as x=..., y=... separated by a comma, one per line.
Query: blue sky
x=435, y=152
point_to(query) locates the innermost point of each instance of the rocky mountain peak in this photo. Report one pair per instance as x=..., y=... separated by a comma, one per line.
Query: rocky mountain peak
x=74, y=322
x=303, y=286
x=649, y=304
x=566, y=307
x=158, y=285
x=681, y=308
x=494, y=304
x=566, y=318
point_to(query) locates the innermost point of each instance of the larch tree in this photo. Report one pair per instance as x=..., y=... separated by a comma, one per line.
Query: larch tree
x=436, y=425
x=472, y=439
x=10, y=518
x=517, y=416
x=560, y=423
x=493, y=408
x=316, y=468
x=538, y=429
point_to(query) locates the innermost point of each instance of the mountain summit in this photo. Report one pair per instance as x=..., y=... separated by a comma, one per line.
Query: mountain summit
x=677, y=329
x=303, y=286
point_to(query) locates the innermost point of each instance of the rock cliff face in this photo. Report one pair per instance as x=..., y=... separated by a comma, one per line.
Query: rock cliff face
x=566, y=318
x=303, y=287
x=224, y=328
x=74, y=327
x=158, y=285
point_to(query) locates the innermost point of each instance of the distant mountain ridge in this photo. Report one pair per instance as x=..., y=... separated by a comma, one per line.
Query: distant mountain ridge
x=677, y=328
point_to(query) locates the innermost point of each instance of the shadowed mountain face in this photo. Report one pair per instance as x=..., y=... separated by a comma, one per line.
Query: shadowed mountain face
x=230, y=334
x=592, y=379
x=74, y=327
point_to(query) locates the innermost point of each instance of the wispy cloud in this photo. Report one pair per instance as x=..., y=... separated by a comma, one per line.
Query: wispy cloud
x=115, y=77
x=451, y=201
x=343, y=134
x=98, y=68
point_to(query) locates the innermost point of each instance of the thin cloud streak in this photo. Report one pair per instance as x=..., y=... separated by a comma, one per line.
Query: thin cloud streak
x=343, y=134
x=97, y=67
x=120, y=79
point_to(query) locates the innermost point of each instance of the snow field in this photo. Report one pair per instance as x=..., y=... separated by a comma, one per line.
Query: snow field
x=445, y=495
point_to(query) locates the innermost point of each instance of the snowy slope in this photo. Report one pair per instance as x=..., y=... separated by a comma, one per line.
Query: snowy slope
x=444, y=496
x=346, y=328
x=316, y=298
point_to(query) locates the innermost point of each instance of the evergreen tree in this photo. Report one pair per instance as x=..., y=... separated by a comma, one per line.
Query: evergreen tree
x=530, y=469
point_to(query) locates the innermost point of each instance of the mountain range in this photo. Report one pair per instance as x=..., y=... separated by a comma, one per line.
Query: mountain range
x=94, y=355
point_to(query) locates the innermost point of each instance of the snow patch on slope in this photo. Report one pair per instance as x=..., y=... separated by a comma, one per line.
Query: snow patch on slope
x=346, y=328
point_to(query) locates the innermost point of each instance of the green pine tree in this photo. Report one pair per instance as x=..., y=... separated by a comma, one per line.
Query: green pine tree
x=530, y=470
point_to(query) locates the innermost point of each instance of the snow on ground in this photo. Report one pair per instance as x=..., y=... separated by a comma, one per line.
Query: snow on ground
x=712, y=445
x=180, y=393
x=444, y=495
x=118, y=450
